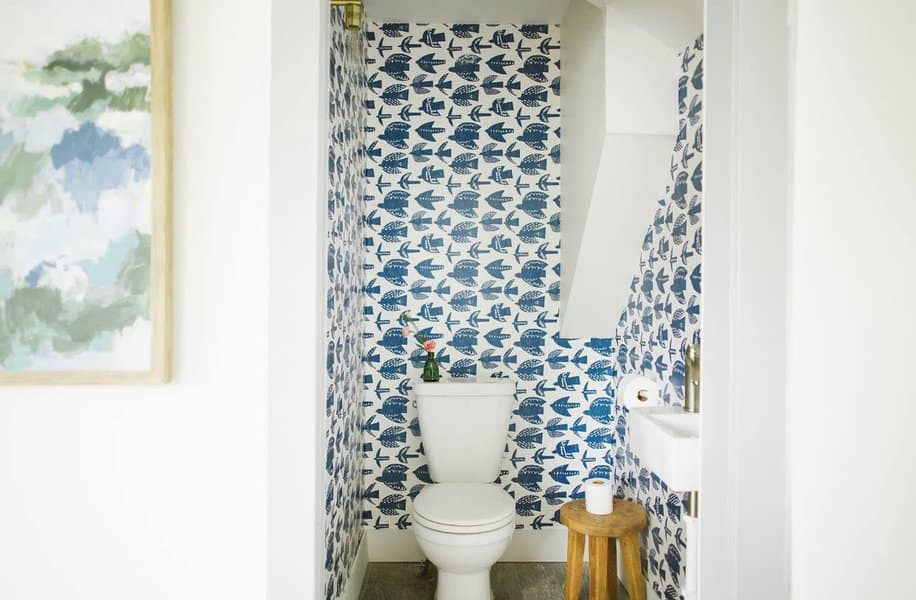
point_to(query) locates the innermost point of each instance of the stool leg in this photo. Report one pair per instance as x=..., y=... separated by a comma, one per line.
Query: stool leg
x=629, y=547
x=575, y=548
x=612, y=569
x=597, y=568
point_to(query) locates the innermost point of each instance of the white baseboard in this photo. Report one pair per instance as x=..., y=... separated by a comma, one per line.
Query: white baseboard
x=547, y=545
x=400, y=545
x=357, y=571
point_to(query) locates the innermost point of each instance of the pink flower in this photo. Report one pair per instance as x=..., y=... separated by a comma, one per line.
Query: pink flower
x=405, y=331
x=429, y=345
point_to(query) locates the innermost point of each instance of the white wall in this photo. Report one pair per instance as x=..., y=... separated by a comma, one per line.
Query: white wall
x=160, y=492
x=851, y=397
x=583, y=102
x=466, y=11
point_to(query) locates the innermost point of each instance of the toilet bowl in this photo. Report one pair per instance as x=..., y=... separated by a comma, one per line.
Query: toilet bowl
x=463, y=522
x=463, y=529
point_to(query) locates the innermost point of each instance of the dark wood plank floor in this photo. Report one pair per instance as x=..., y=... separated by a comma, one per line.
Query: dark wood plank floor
x=510, y=581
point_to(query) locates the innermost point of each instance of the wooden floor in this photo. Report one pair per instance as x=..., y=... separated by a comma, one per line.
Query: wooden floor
x=510, y=581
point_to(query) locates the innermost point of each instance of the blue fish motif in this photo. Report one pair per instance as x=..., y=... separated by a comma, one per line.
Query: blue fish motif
x=530, y=370
x=529, y=477
x=490, y=221
x=394, y=163
x=432, y=38
x=464, y=95
x=562, y=473
x=533, y=164
x=396, y=133
x=535, y=67
x=463, y=164
x=428, y=199
x=465, y=203
x=533, y=96
x=393, y=436
x=396, y=66
x=393, y=340
x=464, y=232
x=531, y=409
x=563, y=406
x=395, y=202
x=599, y=438
x=600, y=472
x=429, y=131
x=466, y=135
x=533, y=204
x=428, y=63
x=496, y=337
x=465, y=367
x=392, y=505
x=467, y=67
x=499, y=312
x=427, y=268
x=529, y=438
x=394, y=408
x=601, y=370
x=395, y=95
x=464, y=300
x=501, y=244
x=600, y=410
x=528, y=506
x=419, y=221
x=499, y=63
x=465, y=30
x=395, y=29
x=465, y=341
x=432, y=107
x=498, y=200
x=555, y=495
x=566, y=449
x=502, y=107
x=533, y=273
x=533, y=31
x=491, y=153
x=532, y=341
x=499, y=131
x=489, y=359
x=393, y=368
x=531, y=301
x=431, y=312
x=394, y=231
x=465, y=272
x=555, y=427
x=394, y=271
x=491, y=85
x=394, y=476
x=394, y=300
x=535, y=135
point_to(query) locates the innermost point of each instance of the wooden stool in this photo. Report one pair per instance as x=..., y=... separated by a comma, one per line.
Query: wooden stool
x=625, y=524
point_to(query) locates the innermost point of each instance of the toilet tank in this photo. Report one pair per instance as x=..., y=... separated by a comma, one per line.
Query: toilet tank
x=464, y=424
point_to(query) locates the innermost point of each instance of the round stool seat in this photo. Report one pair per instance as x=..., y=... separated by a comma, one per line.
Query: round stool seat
x=603, y=531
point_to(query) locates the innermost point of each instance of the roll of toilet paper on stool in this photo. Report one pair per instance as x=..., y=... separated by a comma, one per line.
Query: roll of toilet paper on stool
x=599, y=496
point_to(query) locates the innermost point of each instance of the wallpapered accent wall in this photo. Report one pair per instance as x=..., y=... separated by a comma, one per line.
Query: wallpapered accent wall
x=662, y=316
x=463, y=229
x=346, y=158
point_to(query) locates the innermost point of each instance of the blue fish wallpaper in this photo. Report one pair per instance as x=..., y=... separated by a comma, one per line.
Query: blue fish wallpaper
x=662, y=316
x=343, y=417
x=463, y=230
x=461, y=227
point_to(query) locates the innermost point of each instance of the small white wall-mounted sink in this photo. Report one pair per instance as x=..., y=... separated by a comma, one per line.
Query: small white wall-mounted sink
x=667, y=441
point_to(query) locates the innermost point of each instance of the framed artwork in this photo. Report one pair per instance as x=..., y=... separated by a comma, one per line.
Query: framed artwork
x=85, y=191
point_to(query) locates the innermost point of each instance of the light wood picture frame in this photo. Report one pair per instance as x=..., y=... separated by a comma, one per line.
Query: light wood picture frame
x=86, y=192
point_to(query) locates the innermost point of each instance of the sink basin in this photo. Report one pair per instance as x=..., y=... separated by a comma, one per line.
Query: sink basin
x=667, y=440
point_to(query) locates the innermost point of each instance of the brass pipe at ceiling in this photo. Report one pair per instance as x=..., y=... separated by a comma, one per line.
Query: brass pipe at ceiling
x=353, y=12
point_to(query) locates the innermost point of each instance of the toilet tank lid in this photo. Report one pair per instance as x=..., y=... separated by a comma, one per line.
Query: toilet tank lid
x=466, y=387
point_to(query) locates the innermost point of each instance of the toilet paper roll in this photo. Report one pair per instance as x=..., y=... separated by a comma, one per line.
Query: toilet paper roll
x=599, y=496
x=638, y=390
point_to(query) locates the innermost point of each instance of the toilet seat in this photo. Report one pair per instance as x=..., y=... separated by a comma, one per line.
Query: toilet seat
x=463, y=508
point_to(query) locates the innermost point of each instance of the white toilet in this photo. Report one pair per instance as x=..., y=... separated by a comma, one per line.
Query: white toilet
x=464, y=521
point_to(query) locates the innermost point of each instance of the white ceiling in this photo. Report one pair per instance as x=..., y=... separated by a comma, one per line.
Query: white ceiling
x=467, y=11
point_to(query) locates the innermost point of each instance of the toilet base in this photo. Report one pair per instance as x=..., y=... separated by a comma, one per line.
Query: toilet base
x=464, y=586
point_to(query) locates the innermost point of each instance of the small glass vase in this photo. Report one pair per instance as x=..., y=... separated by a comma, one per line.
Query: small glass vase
x=431, y=368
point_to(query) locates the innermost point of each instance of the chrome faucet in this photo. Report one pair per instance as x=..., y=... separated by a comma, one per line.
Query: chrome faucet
x=692, y=378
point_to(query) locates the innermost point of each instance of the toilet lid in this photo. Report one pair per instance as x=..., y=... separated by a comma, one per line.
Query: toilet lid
x=471, y=505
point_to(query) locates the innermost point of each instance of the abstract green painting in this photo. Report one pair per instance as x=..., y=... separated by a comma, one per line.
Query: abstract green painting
x=85, y=177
